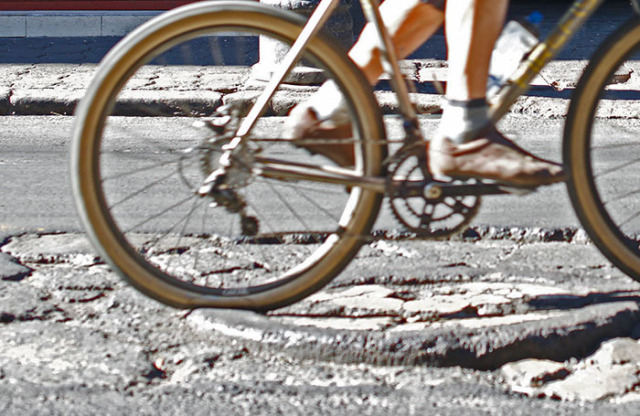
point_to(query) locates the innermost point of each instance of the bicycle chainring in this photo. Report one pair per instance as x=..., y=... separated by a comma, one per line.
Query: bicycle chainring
x=417, y=201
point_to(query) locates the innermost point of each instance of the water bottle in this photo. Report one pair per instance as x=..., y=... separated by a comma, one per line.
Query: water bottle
x=517, y=39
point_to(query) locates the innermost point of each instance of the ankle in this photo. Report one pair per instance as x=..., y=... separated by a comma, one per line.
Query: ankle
x=462, y=120
x=328, y=103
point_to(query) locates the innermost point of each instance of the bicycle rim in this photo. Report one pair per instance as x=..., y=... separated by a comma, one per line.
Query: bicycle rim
x=140, y=152
x=602, y=140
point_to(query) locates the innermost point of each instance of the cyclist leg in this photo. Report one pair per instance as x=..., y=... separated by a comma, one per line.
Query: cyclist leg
x=410, y=24
x=467, y=145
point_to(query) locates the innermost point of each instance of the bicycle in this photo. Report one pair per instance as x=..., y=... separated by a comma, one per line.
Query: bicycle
x=211, y=205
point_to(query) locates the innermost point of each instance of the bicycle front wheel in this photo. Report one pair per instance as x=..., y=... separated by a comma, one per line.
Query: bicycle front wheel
x=144, y=144
x=602, y=147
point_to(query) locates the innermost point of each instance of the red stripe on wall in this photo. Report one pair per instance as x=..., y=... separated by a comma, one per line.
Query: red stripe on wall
x=90, y=5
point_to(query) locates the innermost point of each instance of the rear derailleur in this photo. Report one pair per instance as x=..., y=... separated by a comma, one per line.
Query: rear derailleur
x=226, y=164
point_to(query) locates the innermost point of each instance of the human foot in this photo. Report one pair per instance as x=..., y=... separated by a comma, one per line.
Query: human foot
x=492, y=156
x=315, y=135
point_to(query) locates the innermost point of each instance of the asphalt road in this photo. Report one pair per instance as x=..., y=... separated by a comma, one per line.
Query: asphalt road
x=78, y=340
x=35, y=169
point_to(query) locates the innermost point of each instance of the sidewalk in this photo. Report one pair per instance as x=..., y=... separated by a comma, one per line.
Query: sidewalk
x=41, y=76
x=55, y=89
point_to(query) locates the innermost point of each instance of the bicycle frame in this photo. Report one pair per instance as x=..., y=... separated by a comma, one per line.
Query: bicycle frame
x=320, y=15
x=579, y=12
x=545, y=51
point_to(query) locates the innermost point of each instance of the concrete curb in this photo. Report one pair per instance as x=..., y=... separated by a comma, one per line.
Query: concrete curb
x=44, y=102
x=55, y=89
x=560, y=337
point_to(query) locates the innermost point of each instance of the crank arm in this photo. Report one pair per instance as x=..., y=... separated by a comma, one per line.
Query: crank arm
x=438, y=190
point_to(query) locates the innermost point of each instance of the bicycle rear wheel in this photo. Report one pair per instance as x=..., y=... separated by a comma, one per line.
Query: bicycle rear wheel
x=601, y=148
x=139, y=158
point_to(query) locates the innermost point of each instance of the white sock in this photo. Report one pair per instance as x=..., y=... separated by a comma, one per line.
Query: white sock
x=461, y=120
x=329, y=104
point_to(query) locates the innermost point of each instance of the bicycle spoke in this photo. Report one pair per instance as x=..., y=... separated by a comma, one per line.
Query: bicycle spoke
x=186, y=219
x=615, y=146
x=141, y=190
x=157, y=215
x=202, y=232
x=629, y=219
x=311, y=201
x=616, y=168
x=139, y=170
x=288, y=206
x=621, y=197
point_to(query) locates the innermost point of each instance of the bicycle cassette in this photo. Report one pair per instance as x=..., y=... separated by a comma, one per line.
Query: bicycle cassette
x=418, y=202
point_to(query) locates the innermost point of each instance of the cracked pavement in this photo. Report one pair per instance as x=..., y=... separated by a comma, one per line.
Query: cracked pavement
x=495, y=305
x=519, y=320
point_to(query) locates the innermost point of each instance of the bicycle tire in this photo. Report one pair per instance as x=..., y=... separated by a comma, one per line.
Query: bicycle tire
x=176, y=262
x=598, y=147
